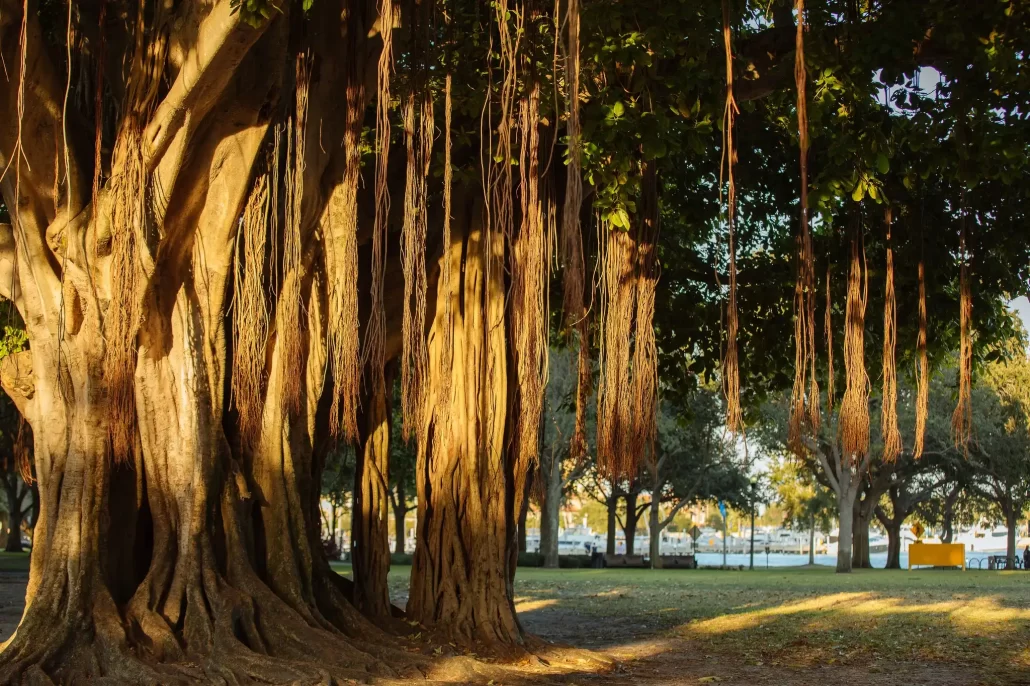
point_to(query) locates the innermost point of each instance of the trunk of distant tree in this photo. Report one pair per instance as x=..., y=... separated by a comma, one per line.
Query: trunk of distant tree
x=1012, y=523
x=523, y=519
x=550, y=509
x=948, y=516
x=612, y=504
x=654, y=522
x=811, y=538
x=399, y=511
x=860, y=534
x=846, y=517
x=893, y=528
x=630, y=528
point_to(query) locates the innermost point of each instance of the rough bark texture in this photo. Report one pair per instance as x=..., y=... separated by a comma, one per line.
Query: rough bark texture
x=460, y=580
x=400, y=510
x=613, y=519
x=630, y=527
x=370, y=548
x=654, y=526
x=197, y=560
x=845, y=514
x=550, y=512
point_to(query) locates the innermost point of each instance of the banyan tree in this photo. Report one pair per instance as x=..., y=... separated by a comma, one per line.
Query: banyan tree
x=234, y=223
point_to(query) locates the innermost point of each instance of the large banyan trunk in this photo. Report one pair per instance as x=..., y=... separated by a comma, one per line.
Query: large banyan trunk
x=196, y=558
x=460, y=576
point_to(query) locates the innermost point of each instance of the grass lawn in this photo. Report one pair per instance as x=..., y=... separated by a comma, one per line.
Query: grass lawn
x=800, y=625
x=14, y=562
x=792, y=627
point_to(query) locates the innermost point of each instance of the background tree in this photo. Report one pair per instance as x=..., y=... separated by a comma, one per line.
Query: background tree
x=1001, y=411
x=806, y=503
x=694, y=461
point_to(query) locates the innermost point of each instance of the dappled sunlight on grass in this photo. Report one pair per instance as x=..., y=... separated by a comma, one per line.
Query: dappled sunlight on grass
x=528, y=605
x=737, y=622
x=976, y=623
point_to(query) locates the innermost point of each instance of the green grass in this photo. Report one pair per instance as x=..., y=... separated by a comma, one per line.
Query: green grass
x=14, y=562
x=805, y=617
x=789, y=618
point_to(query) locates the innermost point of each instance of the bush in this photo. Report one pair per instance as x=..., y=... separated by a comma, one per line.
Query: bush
x=402, y=560
x=564, y=561
x=332, y=551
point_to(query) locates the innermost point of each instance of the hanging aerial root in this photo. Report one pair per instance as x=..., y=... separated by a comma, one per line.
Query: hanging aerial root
x=528, y=314
x=853, y=425
x=340, y=234
x=288, y=320
x=575, y=315
x=805, y=415
x=250, y=312
x=831, y=392
x=645, y=348
x=922, y=371
x=374, y=352
x=617, y=458
x=962, y=418
x=98, y=108
x=130, y=190
x=730, y=364
x=442, y=404
x=415, y=354
x=889, y=406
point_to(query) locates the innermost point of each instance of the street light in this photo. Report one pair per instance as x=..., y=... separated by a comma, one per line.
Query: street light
x=751, y=564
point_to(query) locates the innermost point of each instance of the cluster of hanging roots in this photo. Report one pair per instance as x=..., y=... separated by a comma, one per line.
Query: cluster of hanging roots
x=889, y=406
x=853, y=423
x=572, y=236
x=962, y=419
x=130, y=202
x=730, y=364
x=804, y=406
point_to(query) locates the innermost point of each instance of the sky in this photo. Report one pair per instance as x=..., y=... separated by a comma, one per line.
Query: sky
x=1022, y=307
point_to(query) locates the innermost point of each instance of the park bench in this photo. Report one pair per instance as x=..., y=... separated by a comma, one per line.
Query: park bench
x=1000, y=562
x=678, y=562
x=624, y=561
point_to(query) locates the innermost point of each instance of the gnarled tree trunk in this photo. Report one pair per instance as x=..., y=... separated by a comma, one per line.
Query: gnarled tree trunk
x=460, y=580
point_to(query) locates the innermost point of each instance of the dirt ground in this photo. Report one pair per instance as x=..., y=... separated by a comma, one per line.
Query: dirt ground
x=654, y=645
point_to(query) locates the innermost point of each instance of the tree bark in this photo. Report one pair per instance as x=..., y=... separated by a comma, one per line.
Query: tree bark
x=630, y=527
x=523, y=519
x=845, y=514
x=893, y=528
x=460, y=578
x=1011, y=522
x=613, y=522
x=654, y=526
x=811, y=538
x=370, y=544
x=550, y=512
x=948, y=516
x=399, y=512
x=860, y=533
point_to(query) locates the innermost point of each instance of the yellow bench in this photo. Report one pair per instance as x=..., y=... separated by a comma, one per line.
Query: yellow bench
x=937, y=554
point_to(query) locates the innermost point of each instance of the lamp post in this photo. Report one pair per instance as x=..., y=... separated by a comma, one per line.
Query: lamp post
x=751, y=563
